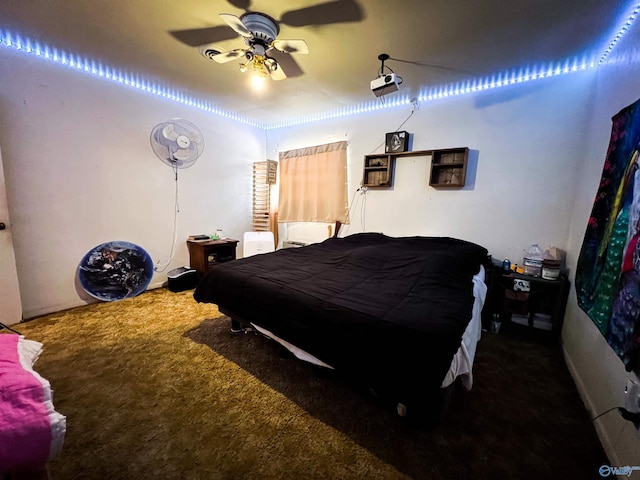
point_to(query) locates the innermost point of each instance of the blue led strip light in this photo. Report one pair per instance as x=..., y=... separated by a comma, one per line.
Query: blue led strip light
x=497, y=80
x=129, y=79
x=621, y=32
x=511, y=77
x=490, y=82
x=354, y=109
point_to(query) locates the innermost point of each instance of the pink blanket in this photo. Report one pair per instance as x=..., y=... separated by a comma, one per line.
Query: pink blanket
x=31, y=431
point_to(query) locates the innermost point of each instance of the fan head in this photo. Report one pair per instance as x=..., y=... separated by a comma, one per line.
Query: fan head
x=177, y=142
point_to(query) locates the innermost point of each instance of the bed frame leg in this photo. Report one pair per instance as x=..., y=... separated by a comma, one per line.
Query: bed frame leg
x=236, y=327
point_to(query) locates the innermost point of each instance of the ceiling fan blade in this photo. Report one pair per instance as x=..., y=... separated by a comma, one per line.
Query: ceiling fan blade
x=235, y=23
x=277, y=74
x=274, y=69
x=242, y=4
x=228, y=56
x=286, y=63
x=195, y=37
x=291, y=46
x=336, y=11
x=219, y=54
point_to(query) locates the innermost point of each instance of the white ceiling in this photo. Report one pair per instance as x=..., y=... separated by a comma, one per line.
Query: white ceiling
x=447, y=41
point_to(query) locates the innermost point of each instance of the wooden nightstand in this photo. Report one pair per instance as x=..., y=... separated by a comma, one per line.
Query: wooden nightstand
x=204, y=255
x=539, y=311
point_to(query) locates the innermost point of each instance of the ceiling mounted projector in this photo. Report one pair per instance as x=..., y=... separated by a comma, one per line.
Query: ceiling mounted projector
x=387, y=83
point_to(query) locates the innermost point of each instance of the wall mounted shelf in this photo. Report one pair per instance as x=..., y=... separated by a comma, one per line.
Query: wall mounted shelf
x=448, y=167
x=378, y=170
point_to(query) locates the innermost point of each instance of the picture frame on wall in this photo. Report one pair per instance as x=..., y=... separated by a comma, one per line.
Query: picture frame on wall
x=397, y=142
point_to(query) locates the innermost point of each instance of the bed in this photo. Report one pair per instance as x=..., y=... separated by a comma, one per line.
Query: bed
x=31, y=431
x=399, y=315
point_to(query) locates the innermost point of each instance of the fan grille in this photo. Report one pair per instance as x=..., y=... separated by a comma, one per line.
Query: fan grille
x=210, y=52
x=178, y=143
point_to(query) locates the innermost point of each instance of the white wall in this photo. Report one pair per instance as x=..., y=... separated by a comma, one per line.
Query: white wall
x=599, y=373
x=80, y=171
x=524, y=155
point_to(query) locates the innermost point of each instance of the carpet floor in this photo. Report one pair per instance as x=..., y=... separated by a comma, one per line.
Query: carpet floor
x=157, y=387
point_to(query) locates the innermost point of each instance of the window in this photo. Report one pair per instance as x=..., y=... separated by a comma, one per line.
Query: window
x=313, y=184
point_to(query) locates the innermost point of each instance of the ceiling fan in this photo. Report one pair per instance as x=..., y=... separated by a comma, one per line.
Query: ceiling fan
x=264, y=54
x=259, y=32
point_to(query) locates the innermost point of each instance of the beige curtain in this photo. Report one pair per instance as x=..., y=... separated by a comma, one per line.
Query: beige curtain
x=313, y=184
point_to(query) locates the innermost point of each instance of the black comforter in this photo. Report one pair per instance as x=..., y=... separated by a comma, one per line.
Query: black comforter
x=390, y=311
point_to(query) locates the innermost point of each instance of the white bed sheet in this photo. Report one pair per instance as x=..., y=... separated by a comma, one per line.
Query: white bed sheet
x=29, y=351
x=462, y=363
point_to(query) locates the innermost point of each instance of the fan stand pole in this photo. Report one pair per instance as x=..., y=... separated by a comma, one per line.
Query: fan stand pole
x=2, y=325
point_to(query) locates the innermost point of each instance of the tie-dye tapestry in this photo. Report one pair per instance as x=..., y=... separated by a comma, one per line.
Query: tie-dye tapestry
x=608, y=270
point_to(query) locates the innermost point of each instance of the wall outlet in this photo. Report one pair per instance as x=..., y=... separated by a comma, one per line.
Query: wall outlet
x=632, y=396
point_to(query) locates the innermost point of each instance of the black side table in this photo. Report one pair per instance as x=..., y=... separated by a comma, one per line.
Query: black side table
x=204, y=255
x=546, y=299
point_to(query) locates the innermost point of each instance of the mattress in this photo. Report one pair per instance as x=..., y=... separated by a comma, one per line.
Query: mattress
x=389, y=312
x=462, y=363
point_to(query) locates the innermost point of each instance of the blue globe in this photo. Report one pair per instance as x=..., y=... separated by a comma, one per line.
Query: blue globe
x=115, y=270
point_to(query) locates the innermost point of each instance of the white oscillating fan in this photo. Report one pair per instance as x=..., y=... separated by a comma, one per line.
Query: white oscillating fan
x=177, y=142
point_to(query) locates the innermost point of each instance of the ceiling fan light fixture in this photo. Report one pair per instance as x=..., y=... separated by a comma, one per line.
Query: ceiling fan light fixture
x=258, y=72
x=258, y=31
x=259, y=65
x=258, y=80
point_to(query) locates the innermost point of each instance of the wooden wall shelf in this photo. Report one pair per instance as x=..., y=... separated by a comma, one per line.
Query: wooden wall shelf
x=378, y=170
x=448, y=167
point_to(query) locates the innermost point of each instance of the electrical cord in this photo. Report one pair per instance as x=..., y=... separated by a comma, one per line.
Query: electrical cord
x=624, y=413
x=604, y=413
x=414, y=106
x=420, y=64
x=176, y=209
x=382, y=67
x=382, y=96
x=363, y=209
x=2, y=325
x=354, y=205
